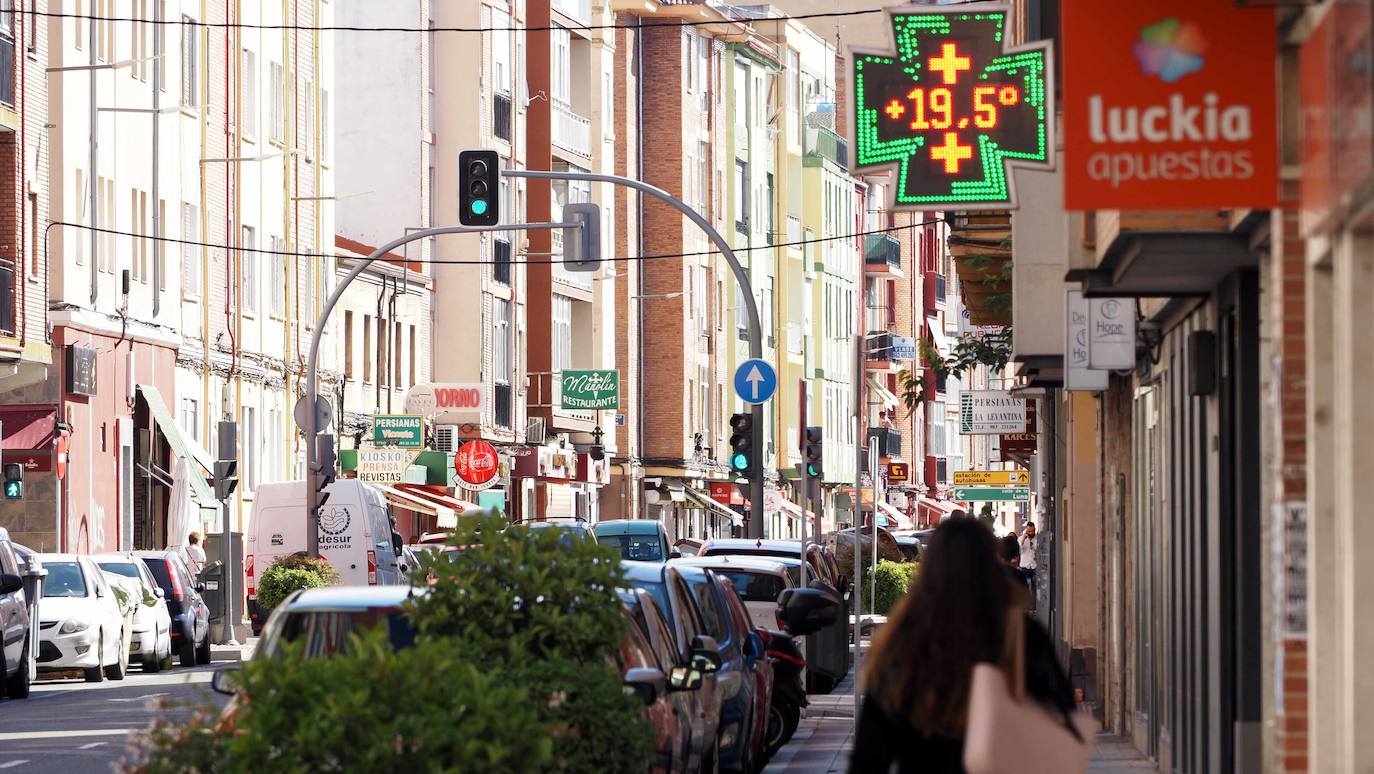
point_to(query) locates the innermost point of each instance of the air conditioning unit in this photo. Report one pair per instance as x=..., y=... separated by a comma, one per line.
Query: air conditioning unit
x=535, y=432
x=445, y=438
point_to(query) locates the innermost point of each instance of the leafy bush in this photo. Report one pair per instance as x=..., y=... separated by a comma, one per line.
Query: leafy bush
x=893, y=578
x=424, y=708
x=292, y=573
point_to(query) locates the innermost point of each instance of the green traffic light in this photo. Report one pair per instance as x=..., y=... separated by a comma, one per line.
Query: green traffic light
x=478, y=206
x=739, y=461
x=813, y=471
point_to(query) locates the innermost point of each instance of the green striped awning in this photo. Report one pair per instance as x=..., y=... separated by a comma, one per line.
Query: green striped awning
x=162, y=417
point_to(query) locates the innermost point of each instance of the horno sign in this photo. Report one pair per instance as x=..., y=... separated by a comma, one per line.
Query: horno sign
x=446, y=401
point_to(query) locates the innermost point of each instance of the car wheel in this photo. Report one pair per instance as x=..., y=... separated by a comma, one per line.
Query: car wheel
x=783, y=718
x=203, y=651
x=188, y=654
x=117, y=670
x=97, y=673
x=153, y=661
x=17, y=687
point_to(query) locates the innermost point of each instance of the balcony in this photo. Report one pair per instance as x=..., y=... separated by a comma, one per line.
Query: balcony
x=571, y=132
x=1147, y=253
x=940, y=289
x=576, y=10
x=7, y=297
x=819, y=144
x=980, y=244
x=888, y=440
x=501, y=116
x=883, y=254
x=7, y=70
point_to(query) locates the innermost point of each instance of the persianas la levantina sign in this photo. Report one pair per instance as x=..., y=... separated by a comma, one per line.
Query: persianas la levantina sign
x=1169, y=104
x=952, y=107
x=991, y=412
x=590, y=390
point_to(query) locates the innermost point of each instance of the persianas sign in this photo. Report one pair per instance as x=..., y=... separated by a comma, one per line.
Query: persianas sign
x=990, y=412
x=1169, y=105
x=952, y=107
x=476, y=463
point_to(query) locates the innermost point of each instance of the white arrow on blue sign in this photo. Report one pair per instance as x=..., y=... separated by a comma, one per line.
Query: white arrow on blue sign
x=755, y=381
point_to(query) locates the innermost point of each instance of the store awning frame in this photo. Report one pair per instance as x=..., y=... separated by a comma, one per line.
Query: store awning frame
x=445, y=517
x=28, y=428
x=888, y=398
x=711, y=505
x=899, y=519
x=938, y=337
x=178, y=443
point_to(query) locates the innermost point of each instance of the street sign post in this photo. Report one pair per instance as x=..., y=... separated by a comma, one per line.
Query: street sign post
x=755, y=381
x=405, y=431
x=991, y=478
x=985, y=494
x=324, y=413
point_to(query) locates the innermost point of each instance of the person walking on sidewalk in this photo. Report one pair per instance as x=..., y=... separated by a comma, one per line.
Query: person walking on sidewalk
x=1028, y=546
x=917, y=677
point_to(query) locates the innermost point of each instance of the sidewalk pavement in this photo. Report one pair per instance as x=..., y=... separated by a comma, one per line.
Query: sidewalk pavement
x=240, y=652
x=826, y=735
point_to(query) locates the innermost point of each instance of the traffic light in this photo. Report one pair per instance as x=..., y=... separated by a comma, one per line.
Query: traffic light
x=14, y=481
x=479, y=187
x=326, y=459
x=742, y=443
x=813, y=451
x=582, y=245
x=226, y=478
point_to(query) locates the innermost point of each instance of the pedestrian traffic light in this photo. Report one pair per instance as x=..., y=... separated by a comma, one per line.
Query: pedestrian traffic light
x=226, y=478
x=14, y=481
x=227, y=466
x=742, y=443
x=479, y=186
x=812, y=453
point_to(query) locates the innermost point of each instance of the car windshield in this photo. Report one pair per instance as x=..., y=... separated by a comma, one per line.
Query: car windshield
x=754, y=586
x=64, y=580
x=328, y=632
x=639, y=548
x=158, y=568
x=127, y=569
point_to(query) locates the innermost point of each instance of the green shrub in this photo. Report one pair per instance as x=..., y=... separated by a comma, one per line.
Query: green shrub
x=372, y=709
x=893, y=579
x=292, y=573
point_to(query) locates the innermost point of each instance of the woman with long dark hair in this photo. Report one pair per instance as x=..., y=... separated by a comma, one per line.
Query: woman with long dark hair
x=918, y=674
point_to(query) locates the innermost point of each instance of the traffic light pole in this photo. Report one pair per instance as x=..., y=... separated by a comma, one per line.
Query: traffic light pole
x=312, y=497
x=741, y=276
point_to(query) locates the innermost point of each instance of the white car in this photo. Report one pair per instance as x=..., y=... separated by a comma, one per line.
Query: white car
x=151, y=641
x=81, y=626
x=758, y=580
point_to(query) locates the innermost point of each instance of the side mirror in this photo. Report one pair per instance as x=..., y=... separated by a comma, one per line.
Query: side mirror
x=684, y=679
x=806, y=611
x=706, y=654
x=10, y=583
x=646, y=683
x=159, y=593
x=99, y=590
x=225, y=681
x=753, y=646
x=675, y=553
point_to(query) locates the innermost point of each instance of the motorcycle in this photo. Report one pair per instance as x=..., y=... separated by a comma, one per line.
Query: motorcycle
x=789, y=693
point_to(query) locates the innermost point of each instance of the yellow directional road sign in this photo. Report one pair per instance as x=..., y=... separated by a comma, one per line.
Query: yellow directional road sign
x=991, y=478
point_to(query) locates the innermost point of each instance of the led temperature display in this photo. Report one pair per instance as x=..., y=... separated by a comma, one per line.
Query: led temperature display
x=952, y=108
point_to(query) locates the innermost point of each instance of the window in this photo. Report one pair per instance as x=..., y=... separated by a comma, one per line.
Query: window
x=414, y=357
x=248, y=93
x=308, y=96
x=160, y=45
x=139, y=40
x=383, y=364
x=768, y=223
x=561, y=83
x=703, y=164
x=160, y=230
x=367, y=349
x=396, y=348
x=348, y=344
x=188, y=61
x=190, y=418
x=78, y=23
x=324, y=126
x=277, y=276
x=248, y=448
x=501, y=341
x=500, y=52
x=562, y=333
x=278, y=107
x=248, y=269
x=190, y=251
x=106, y=205
x=741, y=196
x=35, y=231
x=501, y=266
x=138, y=215
x=741, y=94
x=607, y=106
x=32, y=34
x=271, y=445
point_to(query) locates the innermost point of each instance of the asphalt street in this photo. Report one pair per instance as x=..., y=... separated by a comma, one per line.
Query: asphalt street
x=69, y=726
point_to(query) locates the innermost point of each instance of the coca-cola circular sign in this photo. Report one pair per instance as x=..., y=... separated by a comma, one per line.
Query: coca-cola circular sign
x=475, y=462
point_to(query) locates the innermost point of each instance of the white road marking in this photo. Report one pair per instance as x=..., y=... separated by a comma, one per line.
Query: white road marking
x=15, y=736
x=12, y=764
x=140, y=698
x=90, y=745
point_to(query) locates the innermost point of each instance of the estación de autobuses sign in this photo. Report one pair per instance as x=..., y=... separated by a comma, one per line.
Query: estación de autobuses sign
x=952, y=107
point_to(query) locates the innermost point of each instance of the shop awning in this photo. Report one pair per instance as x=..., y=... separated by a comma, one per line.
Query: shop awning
x=446, y=518
x=883, y=395
x=938, y=336
x=794, y=510
x=711, y=505
x=890, y=517
x=28, y=428
x=178, y=443
x=933, y=511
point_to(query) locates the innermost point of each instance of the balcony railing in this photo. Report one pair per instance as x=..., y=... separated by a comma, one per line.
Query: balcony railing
x=501, y=116
x=879, y=346
x=7, y=69
x=821, y=143
x=501, y=266
x=888, y=440
x=882, y=250
x=578, y=10
x=7, y=297
x=571, y=132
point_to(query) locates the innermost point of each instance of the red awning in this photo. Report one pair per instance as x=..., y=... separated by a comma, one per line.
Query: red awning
x=463, y=507
x=933, y=511
x=28, y=427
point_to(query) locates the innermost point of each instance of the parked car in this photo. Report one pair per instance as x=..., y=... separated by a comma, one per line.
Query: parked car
x=151, y=640
x=189, y=613
x=639, y=540
x=688, y=546
x=325, y=619
x=760, y=667
x=660, y=682
x=821, y=559
x=694, y=647
x=15, y=625
x=759, y=582
x=909, y=544
x=81, y=625
x=355, y=535
x=571, y=530
x=736, y=680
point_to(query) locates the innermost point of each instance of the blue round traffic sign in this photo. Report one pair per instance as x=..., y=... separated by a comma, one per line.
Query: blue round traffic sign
x=755, y=381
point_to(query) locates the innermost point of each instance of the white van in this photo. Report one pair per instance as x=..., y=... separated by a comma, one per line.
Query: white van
x=355, y=534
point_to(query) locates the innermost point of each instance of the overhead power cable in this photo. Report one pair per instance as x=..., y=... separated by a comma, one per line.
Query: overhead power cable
x=466, y=262
x=549, y=28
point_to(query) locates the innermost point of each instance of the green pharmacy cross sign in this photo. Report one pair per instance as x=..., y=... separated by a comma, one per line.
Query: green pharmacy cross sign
x=953, y=109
